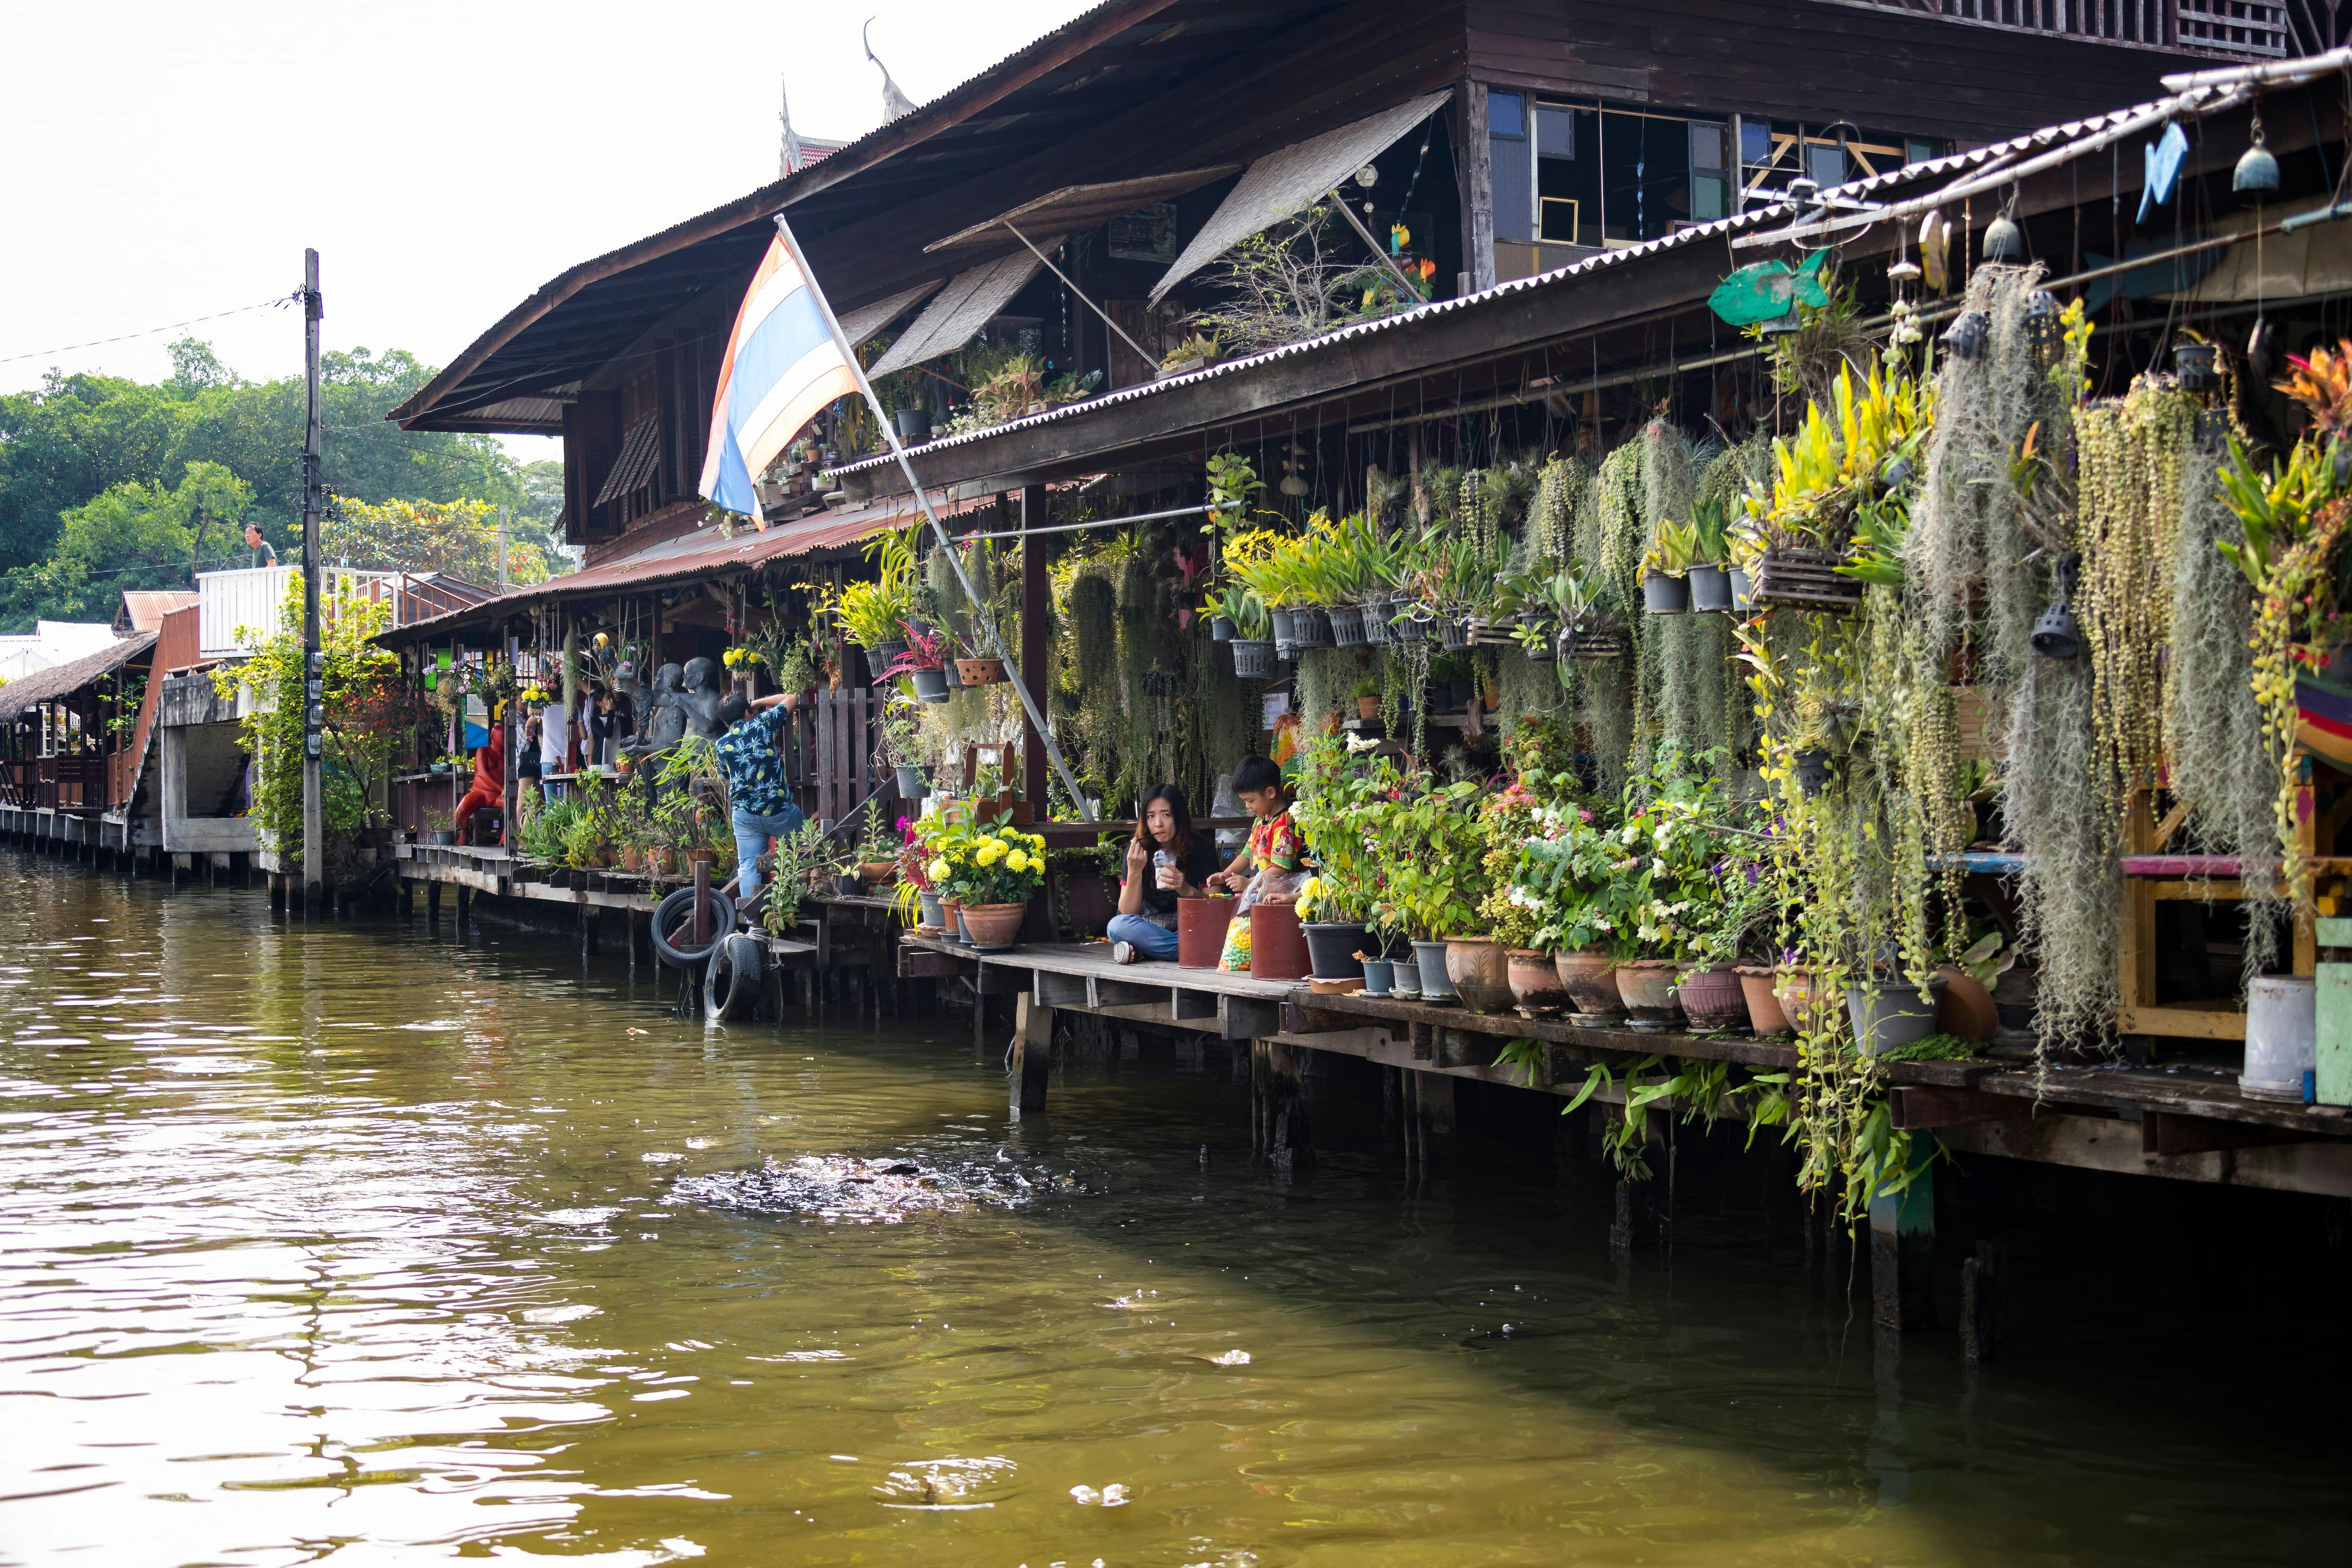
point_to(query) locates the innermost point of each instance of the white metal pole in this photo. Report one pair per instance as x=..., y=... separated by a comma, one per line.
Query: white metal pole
x=979, y=610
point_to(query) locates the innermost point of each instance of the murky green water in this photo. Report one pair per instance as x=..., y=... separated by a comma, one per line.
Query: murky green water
x=360, y=1245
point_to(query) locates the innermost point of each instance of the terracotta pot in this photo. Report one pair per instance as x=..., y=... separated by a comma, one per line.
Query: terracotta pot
x=1765, y=1014
x=1966, y=1008
x=877, y=870
x=980, y=671
x=1800, y=992
x=1201, y=926
x=1591, y=978
x=1711, y=997
x=1535, y=981
x=1277, y=945
x=994, y=925
x=1480, y=970
x=1648, y=986
x=951, y=919
x=633, y=858
x=1368, y=708
x=624, y=764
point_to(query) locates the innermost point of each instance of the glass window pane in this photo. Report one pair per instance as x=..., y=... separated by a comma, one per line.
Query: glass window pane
x=1514, y=188
x=1555, y=131
x=1710, y=198
x=1705, y=145
x=1506, y=114
x=1755, y=142
x=1916, y=150
x=1826, y=166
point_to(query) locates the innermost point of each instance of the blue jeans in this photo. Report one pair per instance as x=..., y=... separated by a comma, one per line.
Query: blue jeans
x=1151, y=941
x=753, y=831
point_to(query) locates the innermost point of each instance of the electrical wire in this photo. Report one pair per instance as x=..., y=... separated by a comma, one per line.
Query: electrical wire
x=279, y=303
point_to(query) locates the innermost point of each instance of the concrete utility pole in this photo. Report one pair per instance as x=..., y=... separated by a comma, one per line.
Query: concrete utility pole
x=314, y=659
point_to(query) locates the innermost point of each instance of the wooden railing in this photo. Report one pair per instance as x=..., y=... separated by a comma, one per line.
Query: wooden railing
x=2243, y=29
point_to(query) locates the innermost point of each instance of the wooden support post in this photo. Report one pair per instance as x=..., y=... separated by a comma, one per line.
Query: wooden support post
x=1477, y=155
x=1036, y=613
x=1279, y=1106
x=431, y=901
x=1902, y=1254
x=1984, y=1281
x=1032, y=1053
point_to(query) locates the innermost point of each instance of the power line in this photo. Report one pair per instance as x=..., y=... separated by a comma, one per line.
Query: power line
x=280, y=303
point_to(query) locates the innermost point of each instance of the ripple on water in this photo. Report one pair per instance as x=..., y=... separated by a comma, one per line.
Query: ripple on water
x=845, y=1188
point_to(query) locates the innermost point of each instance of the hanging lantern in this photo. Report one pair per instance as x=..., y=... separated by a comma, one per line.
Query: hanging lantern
x=2257, y=173
x=2004, y=240
x=1966, y=337
x=2055, y=634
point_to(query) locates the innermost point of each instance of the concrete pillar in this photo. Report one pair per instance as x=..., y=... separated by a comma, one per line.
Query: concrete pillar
x=1902, y=1254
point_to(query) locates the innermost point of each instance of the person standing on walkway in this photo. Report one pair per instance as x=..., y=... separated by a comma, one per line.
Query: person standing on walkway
x=1166, y=861
x=760, y=800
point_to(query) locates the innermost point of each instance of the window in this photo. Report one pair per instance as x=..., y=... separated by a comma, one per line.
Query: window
x=1710, y=166
x=1568, y=187
x=1511, y=161
x=1825, y=165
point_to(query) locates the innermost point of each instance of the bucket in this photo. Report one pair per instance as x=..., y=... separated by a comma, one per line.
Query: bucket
x=1201, y=930
x=2282, y=1036
x=1277, y=943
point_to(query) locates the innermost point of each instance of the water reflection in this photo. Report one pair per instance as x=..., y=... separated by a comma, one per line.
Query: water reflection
x=365, y=1245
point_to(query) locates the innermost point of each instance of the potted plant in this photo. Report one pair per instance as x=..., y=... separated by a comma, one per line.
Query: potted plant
x=1367, y=691
x=438, y=830
x=994, y=872
x=1436, y=870
x=899, y=736
x=985, y=671
x=1587, y=888
x=919, y=664
x=1341, y=791
x=1253, y=639
x=1710, y=574
x=1665, y=569
x=1890, y=1008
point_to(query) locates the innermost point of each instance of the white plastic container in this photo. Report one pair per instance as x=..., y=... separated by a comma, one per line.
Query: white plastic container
x=2282, y=1036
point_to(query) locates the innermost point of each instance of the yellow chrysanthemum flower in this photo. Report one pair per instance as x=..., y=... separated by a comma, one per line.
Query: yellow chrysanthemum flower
x=937, y=870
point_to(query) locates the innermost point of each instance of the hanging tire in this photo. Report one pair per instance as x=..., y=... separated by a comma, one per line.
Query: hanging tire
x=731, y=985
x=674, y=917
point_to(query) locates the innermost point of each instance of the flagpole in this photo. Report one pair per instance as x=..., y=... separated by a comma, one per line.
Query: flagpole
x=923, y=500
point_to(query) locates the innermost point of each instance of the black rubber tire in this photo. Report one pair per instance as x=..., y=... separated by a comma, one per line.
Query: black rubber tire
x=731, y=985
x=676, y=912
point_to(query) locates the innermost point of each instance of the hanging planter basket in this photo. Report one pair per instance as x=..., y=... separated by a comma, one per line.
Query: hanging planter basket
x=1543, y=650
x=1286, y=630
x=883, y=654
x=1593, y=642
x=1807, y=579
x=1454, y=632
x=1347, y=626
x=1812, y=769
x=1220, y=630
x=1710, y=588
x=1252, y=658
x=911, y=783
x=980, y=671
x=1309, y=627
x=1665, y=595
x=1374, y=618
x=1413, y=627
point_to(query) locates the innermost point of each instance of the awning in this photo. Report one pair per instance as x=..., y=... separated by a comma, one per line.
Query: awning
x=1075, y=208
x=1285, y=182
x=970, y=301
x=867, y=319
x=2277, y=267
x=705, y=555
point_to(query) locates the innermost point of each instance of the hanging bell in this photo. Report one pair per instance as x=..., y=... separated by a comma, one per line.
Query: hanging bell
x=2257, y=173
x=2055, y=634
x=1966, y=336
x=2004, y=240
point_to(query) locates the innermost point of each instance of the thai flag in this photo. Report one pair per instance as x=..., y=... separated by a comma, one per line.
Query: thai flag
x=782, y=364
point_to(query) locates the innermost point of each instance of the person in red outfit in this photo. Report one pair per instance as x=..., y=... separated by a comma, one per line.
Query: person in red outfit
x=490, y=778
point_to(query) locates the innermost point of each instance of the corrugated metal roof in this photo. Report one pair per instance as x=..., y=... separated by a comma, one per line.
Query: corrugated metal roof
x=146, y=607
x=1755, y=219
x=64, y=679
x=703, y=554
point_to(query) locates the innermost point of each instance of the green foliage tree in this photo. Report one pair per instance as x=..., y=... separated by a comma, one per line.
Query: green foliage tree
x=461, y=537
x=132, y=536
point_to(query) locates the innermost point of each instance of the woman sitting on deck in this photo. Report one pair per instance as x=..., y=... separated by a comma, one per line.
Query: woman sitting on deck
x=1165, y=861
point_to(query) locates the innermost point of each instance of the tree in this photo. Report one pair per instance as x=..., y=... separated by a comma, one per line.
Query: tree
x=132, y=536
x=461, y=537
x=77, y=437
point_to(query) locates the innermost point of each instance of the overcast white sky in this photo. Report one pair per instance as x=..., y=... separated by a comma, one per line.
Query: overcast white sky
x=169, y=160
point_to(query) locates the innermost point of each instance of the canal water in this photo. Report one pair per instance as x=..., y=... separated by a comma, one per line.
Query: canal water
x=364, y=1246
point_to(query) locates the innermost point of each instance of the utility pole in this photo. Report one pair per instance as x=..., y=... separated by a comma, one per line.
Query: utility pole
x=502, y=549
x=314, y=659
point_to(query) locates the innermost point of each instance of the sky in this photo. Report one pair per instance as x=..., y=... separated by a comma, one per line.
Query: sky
x=170, y=161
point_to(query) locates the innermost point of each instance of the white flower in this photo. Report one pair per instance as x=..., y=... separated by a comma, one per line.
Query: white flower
x=1633, y=831
x=1657, y=866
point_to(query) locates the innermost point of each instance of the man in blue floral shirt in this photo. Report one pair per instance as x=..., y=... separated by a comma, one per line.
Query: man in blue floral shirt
x=760, y=799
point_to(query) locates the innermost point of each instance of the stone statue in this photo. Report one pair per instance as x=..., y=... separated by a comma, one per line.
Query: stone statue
x=661, y=712
x=700, y=699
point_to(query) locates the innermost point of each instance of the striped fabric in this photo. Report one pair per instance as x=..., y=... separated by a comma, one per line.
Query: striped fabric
x=782, y=367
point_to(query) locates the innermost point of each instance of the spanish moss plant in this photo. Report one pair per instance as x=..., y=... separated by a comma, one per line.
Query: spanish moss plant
x=2071, y=893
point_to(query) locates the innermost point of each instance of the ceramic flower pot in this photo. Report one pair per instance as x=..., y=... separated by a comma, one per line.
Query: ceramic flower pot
x=1368, y=708
x=1436, y=985
x=1801, y=992
x=1712, y=998
x=1664, y=595
x=951, y=920
x=1536, y=984
x=980, y=671
x=1765, y=1014
x=1480, y=970
x=877, y=870
x=994, y=925
x=1648, y=986
x=1966, y=1008
x=1590, y=977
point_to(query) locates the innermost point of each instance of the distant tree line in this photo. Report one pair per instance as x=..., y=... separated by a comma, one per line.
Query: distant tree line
x=108, y=483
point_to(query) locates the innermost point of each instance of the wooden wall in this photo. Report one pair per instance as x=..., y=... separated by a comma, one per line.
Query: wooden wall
x=1808, y=60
